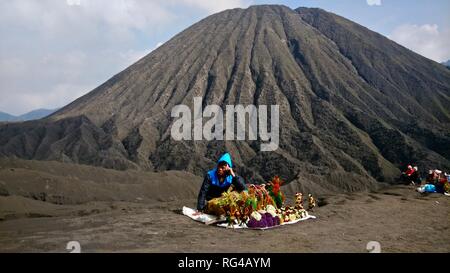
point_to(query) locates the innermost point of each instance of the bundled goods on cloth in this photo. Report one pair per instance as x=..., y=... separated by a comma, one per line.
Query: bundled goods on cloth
x=261, y=207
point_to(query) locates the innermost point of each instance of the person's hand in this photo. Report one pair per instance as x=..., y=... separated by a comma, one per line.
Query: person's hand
x=230, y=171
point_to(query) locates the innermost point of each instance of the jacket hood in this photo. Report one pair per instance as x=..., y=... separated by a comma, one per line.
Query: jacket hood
x=227, y=158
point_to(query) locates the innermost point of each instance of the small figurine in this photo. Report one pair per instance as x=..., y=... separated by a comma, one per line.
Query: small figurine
x=299, y=201
x=312, y=202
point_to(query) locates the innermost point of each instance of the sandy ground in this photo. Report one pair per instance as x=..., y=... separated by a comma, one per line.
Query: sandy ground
x=44, y=205
x=400, y=219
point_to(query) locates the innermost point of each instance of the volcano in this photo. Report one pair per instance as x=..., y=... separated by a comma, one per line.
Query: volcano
x=354, y=106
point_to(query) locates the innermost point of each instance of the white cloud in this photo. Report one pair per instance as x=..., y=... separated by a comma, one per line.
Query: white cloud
x=73, y=2
x=52, y=51
x=58, y=95
x=215, y=6
x=374, y=2
x=427, y=40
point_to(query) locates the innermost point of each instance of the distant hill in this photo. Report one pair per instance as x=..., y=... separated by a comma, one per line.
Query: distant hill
x=6, y=117
x=33, y=115
x=447, y=64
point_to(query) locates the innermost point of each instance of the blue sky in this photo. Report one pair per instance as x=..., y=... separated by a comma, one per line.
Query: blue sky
x=385, y=17
x=54, y=51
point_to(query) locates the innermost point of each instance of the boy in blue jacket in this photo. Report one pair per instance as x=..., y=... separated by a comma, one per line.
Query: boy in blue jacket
x=218, y=180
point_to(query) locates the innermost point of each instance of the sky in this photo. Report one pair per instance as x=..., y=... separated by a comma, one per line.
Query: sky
x=54, y=51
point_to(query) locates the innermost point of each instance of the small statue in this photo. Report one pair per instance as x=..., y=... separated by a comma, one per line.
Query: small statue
x=299, y=201
x=312, y=202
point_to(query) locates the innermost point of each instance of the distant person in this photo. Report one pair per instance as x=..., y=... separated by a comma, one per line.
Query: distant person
x=219, y=180
x=406, y=175
x=415, y=177
x=447, y=185
x=435, y=183
x=442, y=180
x=409, y=171
x=431, y=177
x=437, y=176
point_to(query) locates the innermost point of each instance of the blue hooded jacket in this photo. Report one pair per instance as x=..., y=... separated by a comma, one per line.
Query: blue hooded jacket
x=212, y=188
x=213, y=173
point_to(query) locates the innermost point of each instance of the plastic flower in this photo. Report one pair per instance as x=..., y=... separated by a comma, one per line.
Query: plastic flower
x=292, y=217
x=256, y=216
x=271, y=209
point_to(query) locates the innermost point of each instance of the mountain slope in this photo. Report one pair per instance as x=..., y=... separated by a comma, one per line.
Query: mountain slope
x=354, y=105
